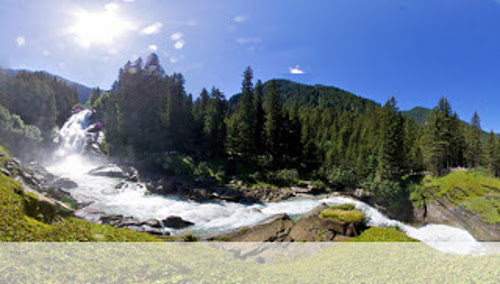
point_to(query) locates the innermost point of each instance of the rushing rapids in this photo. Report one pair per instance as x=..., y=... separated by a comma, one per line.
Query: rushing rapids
x=131, y=200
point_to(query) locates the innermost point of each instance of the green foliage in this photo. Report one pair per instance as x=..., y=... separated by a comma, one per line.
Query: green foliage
x=346, y=206
x=190, y=238
x=19, y=137
x=376, y=234
x=285, y=177
x=341, y=178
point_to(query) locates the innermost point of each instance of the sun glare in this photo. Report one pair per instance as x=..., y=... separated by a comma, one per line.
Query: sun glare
x=98, y=28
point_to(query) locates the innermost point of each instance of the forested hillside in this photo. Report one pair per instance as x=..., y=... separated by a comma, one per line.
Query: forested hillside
x=32, y=105
x=280, y=131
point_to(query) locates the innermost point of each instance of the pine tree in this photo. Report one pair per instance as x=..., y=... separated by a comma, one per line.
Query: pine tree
x=473, y=153
x=443, y=139
x=259, y=115
x=272, y=120
x=391, y=153
x=242, y=123
x=214, y=127
x=492, y=153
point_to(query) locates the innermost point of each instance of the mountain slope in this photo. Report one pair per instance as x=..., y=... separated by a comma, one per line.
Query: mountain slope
x=82, y=90
x=293, y=93
x=417, y=114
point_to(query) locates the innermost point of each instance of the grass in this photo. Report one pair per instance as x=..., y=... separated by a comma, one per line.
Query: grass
x=473, y=190
x=348, y=216
x=377, y=234
x=25, y=218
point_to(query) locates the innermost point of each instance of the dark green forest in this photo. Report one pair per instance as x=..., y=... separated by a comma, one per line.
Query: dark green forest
x=275, y=132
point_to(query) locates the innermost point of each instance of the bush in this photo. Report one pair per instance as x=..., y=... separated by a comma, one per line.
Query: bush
x=341, y=178
x=190, y=238
x=286, y=177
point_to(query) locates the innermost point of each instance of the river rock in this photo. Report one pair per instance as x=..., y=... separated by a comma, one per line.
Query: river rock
x=5, y=172
x=176, y=222
x=110, y=170
x=274, y=229
x=65, y=183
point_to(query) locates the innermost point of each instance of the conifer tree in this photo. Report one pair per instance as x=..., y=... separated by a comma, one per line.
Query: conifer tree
x=391, y=153
x=272, y=120
x=473, y=153
x=492, y=153
x=242, y=123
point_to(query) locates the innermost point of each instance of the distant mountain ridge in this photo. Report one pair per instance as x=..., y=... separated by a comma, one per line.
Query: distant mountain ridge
x=419, y=116
x=82, y=90
x=293, y=93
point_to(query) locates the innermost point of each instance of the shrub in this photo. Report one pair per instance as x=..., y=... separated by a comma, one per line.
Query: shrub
x=190, y=238
x=284, y=177
x=341, y=178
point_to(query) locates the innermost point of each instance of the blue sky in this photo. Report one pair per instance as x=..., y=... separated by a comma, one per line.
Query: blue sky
x=414, y=50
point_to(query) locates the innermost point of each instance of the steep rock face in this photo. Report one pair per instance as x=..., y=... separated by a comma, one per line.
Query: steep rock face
x=440, y=210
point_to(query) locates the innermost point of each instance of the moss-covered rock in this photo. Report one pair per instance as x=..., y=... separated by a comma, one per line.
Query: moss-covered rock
x=377, y=234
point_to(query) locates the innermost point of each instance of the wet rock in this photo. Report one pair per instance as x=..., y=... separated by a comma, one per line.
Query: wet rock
x=274, y=229
x=110, y=170
x=5, y=172
x=65, y=183
x=152, y=231
x=176, y=222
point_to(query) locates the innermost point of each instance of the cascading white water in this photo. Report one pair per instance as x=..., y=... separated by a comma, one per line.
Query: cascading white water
x=72, y=135
x=131, y=200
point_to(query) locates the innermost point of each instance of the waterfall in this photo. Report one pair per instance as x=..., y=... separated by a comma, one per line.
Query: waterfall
x=72, y=136
x=132, y=199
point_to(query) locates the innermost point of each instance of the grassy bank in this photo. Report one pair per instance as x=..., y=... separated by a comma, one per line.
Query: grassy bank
x=473, y=190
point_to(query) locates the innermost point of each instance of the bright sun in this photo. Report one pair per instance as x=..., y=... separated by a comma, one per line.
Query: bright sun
x=98, y=28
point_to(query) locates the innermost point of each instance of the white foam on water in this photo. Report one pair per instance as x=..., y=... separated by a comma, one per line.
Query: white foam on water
x=132, y=200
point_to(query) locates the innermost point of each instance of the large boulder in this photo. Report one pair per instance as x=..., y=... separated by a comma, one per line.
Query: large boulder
x=109, y=170
x=176, y=222
x=274, y=229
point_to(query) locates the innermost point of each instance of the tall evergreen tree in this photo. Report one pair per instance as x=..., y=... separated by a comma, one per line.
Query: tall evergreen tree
x=391, y=153
x=492, y=153
x=272, y=120
x=242, y=123
x=259, y=117
x=473, y=140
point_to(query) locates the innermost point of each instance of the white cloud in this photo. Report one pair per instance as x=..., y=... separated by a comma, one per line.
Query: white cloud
x=176, y=36
x=296, y=70
x=240, y=19
x=21, y=41
x=46, y=52
x=174, y=60
x=248, y=40
x=62, y=65
x=152, y=29
x=129, y=1
x=192, y=22
x=112, y=7
x=179, y=44
x=153, y=47
x=113, y=51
